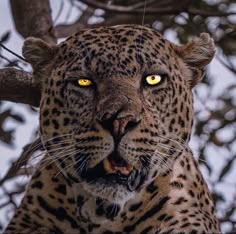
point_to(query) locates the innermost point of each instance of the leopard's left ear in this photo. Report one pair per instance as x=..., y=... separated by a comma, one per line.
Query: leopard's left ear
x=197, y=54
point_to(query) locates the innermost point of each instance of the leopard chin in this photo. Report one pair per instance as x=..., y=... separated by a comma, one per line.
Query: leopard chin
x=116, y=193
x=113, y=179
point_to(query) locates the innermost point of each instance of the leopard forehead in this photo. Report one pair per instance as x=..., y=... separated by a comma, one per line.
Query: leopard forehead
x=123, y=50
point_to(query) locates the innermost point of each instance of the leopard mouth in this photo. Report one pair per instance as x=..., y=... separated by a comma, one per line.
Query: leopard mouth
x=114, y=171
x=114, y=164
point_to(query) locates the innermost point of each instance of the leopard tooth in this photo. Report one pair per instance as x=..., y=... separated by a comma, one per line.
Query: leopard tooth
x=107, y=166
x=122, y=170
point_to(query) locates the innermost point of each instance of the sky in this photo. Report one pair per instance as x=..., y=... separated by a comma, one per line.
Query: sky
x=25, y=132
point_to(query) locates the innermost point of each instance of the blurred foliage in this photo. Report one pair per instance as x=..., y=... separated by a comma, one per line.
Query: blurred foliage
x=7, y=136
x=215, y=114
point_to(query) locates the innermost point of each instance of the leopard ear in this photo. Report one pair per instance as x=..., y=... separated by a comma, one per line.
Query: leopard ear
x=37, y=52
x=197, y=54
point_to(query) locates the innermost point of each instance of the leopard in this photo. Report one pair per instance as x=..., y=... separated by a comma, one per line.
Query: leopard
x=116, y=116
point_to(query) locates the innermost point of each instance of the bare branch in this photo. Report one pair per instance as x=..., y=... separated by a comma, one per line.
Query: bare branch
x=33, y=18
x=227, y=64
x=81, y=23
x=19, y=86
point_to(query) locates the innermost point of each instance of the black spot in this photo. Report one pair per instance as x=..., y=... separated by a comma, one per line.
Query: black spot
x=58, y=102
x=139, y=59
x=162, y=217
x=182, y=176
x=29, y=199
x=71, y=200
x=49, y=167
x=135, y=206
x=55, y=179
x=66, y=121
x=184, y=211
x=61, y=201
x=185, y=225
x=112, y=211
x=148, y=214
x=24, y=225
x=61, y=188
x=196, y=224
x=38, y=184
x=55, y=123
x=146, y=230
x=151, y=188
x=193, y=232
x=58, y=83
x=59, y=213
x=92, y=226
x=52, y=196
x=45, y=113
x=173, y=223
x=46, y=122
x=180, y=200
x=55, y=230
x=191, y=193
x=188, y=167
x=80, y=201
x=100, y=210
x=176, y=184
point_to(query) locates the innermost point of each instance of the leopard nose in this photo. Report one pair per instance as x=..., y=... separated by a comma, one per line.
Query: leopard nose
x=119, y=126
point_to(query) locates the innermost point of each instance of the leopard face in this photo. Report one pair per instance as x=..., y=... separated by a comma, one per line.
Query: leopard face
x=116, y=109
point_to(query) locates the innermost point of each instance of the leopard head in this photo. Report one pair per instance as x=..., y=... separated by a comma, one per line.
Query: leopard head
x=117, y=106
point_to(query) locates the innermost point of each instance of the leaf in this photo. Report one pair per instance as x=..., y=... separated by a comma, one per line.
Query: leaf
x=227, y=168
x=5, y=37
x=18, y=118
x=6, y=136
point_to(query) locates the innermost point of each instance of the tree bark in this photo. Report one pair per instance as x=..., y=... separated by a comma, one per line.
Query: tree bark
x=19, y=86
x=33, y=18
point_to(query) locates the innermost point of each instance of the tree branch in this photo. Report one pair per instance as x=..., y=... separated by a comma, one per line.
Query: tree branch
x=19, y=86
x=33, y=18
x=156, y=11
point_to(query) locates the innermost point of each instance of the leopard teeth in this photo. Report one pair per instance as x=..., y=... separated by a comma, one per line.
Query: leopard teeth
x=124, y=170
x=107, y=166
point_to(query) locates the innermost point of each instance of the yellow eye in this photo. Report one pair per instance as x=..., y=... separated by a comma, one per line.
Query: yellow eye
x=84, y=82
x=153, y=79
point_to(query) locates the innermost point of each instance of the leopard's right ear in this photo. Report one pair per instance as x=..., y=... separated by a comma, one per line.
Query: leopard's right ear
x=37, y=52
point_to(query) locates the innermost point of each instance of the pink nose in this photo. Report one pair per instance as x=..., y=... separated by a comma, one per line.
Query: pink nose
x=119, y=126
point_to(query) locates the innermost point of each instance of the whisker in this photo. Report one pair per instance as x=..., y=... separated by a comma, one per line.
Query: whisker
x=73, y=163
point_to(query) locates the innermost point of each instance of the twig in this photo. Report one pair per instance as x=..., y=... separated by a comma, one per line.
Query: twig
x=228, y=66
x=12, y=52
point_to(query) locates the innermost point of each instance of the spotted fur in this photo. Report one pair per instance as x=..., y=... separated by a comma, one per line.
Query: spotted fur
x=122, y=121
